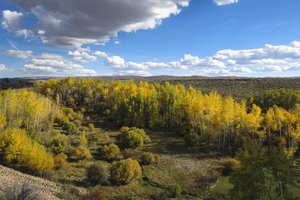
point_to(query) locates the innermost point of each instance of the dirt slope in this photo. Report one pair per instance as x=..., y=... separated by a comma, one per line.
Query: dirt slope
x=47, y=189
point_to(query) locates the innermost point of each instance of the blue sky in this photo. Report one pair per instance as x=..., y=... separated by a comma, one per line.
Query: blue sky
x=253, y=38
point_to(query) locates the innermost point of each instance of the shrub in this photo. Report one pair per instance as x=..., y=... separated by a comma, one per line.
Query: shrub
x=130, y=153
x=91, y=127
x=96, y=174
x=162, y=196
x=230, y=165
x=124, y=129
x=59, y=144
x=106, y=112
x=82, y=139
x=95, y=194
x=77, y=123
x=80, y=153
x=110, y=152
x=174, y=190
x=71, y=115
x=148, y=158
x=134, y=138
x=105, y=136
x=205, y=181
x=125, y=171
x=192, y=139
x=70, y=128
x=61, y=120
x=23, y=191
x=60, y=161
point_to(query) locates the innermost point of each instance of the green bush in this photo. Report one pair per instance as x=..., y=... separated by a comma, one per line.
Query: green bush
x=77, y=123
x=59, y=144
x=70, y=128
x=125, y=171
x=135, y=138
x=174, y=190
x=96, y=174
x=60, y=161
x=110, y=152
x=91, y=127
x=192, y=139
x=148, y=158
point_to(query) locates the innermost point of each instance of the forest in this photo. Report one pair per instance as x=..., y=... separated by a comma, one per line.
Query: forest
x=137, y=139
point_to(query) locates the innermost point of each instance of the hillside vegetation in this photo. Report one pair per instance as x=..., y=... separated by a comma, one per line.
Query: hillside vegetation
x=148, y=140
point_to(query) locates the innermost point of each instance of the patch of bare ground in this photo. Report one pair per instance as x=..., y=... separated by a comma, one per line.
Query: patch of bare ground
x=47, y=190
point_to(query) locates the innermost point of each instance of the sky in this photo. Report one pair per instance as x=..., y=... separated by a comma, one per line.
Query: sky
x=247, y=38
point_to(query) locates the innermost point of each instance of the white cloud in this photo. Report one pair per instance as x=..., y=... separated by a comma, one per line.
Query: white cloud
x=60, y=20
x=242, y=70
x=2, y=67
x=134, y=65
x=101, y=54
x=39, y=68
x=273, y=68
x=270, y=58
x=24, y=33
x=115, y=61
x=156, y=65
x=19, y=53
x=52, y=64
x=11, y=19
x=225, y=2
x=292, y=50
x=188, y=59
x=82, y=55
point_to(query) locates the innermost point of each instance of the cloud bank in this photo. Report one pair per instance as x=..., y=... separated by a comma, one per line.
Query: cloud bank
x=73, y=23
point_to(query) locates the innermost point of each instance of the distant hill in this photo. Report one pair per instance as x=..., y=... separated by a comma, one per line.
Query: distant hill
x=238, y=87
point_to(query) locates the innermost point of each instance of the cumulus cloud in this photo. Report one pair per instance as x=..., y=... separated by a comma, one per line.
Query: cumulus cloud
x=225, y=2
x=82, y=55
x=115, y=61
x=24, y=33
x=73, y=23
x=101, y=54
x=11, y=19
x=52, y=64
x=19, y=53
x=271, y=58
x=2, y=67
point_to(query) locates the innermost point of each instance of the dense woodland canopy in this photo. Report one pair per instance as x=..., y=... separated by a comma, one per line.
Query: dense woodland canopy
x=221, y=123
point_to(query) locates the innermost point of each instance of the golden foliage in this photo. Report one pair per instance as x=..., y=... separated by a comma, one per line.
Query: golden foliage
x=126, y=170
x=17, y=147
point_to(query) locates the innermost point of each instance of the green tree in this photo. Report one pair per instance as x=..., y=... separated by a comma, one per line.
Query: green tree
x=249, y=181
